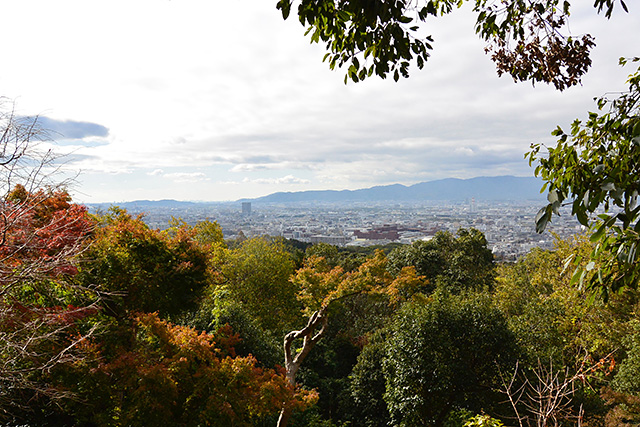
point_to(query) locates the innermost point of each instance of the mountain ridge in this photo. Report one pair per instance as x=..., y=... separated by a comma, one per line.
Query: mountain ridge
x=496, y=188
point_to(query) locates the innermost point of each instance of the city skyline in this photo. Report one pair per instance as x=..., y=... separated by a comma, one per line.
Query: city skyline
x=195, y=100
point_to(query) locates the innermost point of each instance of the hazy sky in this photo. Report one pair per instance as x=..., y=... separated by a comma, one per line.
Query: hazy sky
x=218, y=100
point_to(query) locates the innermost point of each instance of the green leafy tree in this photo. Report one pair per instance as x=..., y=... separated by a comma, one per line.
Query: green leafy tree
x=344, y=257
x=256, y=275
x=368, y=383
x=427, y=257
x=563, y=333
x=458, y=262
x=525, y=293
x=219, y=308
x=140, y=269
x=320, y=287
x=553, y=319
x=250, y=290
x=627, y=378
x=595, y=169
x=528, y=39
x=437, y=355
x=327, y=369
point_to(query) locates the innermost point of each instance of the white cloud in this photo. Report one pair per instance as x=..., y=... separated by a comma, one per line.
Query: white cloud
x=289, y=179
x=244, y=167
x=186, y=176
x=465, y=151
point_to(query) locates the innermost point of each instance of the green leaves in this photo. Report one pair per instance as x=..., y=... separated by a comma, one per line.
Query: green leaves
x=369, y=38
x=285, y=7
x=529, y=40
x=597, y=166
x=607, y=6
x=256, y=275
x=144, y=269
x=444, y=353
x=542, y=219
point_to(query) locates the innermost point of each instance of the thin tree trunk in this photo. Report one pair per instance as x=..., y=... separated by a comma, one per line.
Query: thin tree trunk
x=317, y=321
x=285, y=415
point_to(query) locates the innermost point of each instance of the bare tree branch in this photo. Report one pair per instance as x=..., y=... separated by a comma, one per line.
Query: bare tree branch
x=547, y=396
x=39, y=245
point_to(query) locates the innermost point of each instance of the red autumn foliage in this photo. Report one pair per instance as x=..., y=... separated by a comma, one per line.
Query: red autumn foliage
x=41, y=311
x=41, y=232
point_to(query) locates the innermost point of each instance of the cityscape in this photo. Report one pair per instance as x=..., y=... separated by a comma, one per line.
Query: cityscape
x=508, y=226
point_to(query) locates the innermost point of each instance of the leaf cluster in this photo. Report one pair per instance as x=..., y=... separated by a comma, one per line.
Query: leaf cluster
x=457, y=262
x=320, y=285
x=595, y=169
x=256, y=275
x=436, y=355
x=369, y=37
x=140, y=269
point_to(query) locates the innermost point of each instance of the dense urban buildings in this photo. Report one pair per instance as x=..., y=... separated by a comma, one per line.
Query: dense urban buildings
x=508, y=226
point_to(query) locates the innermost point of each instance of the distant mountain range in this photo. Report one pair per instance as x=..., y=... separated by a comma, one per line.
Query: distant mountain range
x=495, y=188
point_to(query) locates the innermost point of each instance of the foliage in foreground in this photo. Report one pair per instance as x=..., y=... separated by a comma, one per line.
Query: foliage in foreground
x=396, y=347
x=171, y=374
x=529, y=40
x=595, y=169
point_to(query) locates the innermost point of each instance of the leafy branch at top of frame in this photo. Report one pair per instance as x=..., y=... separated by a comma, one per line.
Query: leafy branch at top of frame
x=381, y=37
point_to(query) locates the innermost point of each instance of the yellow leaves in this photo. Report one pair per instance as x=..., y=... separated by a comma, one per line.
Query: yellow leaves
x=316, y=281
x=319, y=284
x=406, y=284
x=371, y=275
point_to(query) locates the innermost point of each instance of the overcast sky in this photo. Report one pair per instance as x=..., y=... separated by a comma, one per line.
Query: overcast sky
x=219, y=100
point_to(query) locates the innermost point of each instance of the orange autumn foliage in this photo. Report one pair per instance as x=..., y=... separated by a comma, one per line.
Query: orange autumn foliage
x=176, y=375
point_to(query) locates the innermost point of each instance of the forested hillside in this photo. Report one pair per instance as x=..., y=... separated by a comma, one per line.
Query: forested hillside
x=179, y=327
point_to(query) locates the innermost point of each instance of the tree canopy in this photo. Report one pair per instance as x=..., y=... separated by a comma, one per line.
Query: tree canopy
x=175, y=375
x=444, y=354
x=140, y=269
x=41, y=235
x=457, y=262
